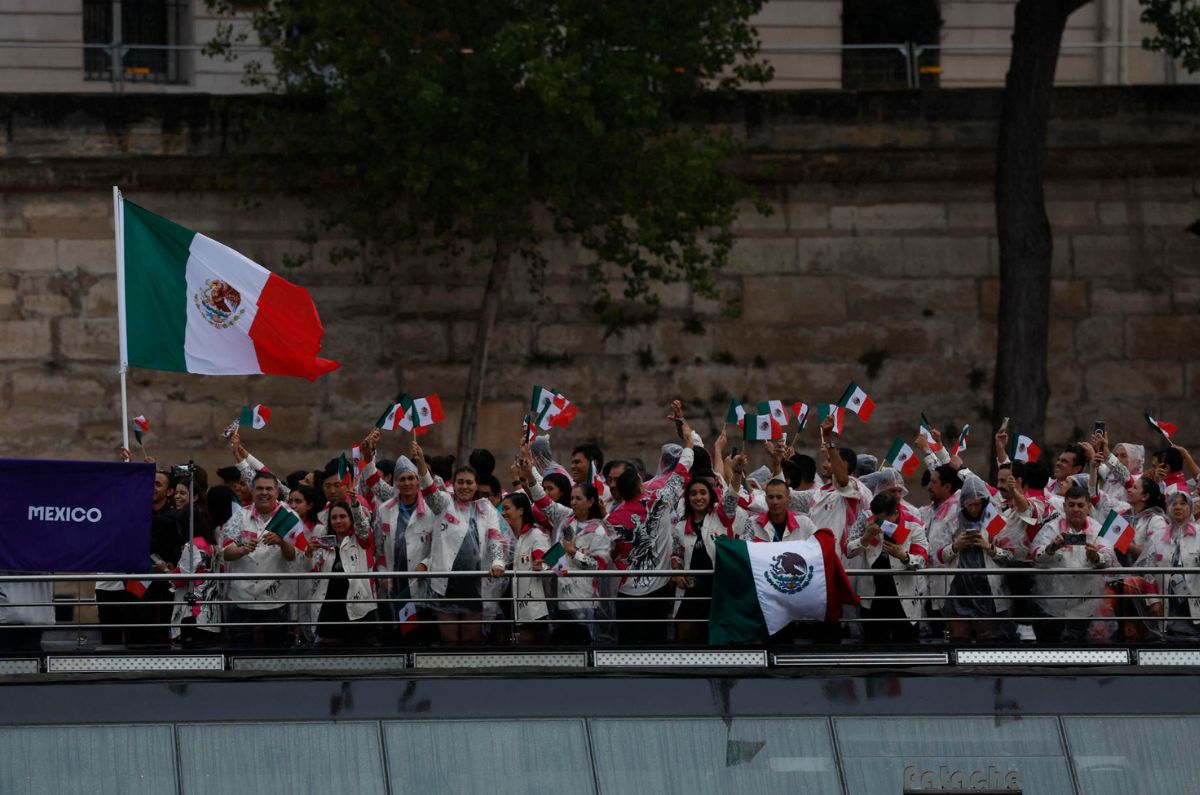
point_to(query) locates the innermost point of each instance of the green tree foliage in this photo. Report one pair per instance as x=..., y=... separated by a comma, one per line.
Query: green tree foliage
x=454, y=126
x=1178, y=30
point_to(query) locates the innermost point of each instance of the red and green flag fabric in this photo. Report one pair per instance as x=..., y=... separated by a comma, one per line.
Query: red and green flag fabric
x=255, y=416
x=832, y=410
x=934, y=444
x=960, y=444
x=555, y=558
x=1024, y=449
x=551, y=408
x=758, y=589
x=800, y=412
x=1117, y=532
x=1167, y=429
x=736, y=414
x=426, y=412
x=396, y=415
x=856, y=399
x=902, y=457
x=141, y=425
x=138, y=587
x=774, y=409
x=761, y=428
x=343, y=471
x=896, y=532
x=528, y=430
x=286, y=520
x=993, y=521
x=189, y=304
x=298, y=537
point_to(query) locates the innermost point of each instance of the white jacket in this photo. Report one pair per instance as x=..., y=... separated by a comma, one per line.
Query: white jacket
x=1072, y=557
x=353, y=551
x=530, y=592
x=908, y=586
x=593, y=551
x=267, y=593
x=453, y=548
x=1159, y=551
x=431, y=503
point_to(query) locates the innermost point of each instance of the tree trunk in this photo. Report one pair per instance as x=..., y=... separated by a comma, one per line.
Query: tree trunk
x=501, y=260
x=1026, y=245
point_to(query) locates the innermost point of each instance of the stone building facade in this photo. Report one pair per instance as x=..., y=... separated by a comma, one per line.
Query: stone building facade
x=879, y=264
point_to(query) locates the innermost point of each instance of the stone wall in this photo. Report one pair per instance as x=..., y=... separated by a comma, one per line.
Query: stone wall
x=879, y=263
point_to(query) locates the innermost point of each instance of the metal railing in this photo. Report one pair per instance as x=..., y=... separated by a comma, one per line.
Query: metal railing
x=505, y=621
x=883, y=65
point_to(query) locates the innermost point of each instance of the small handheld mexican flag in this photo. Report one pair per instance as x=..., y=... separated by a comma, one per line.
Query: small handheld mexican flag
x=551, y=408
x=800, y=412
x=255, y=416
x=1026, y=450
x=1167, y=429
x=555, y=558
x=736, y=414
x=138, y=587
x=761, y=427
x=758, y=589
x=599, y=484
x=832, y=410
x=934, y=444
x=993, y=521
x=775, y=409
x=343, y=474
x=960, y=444
x=140, y=425
x=528, y=430
x=298, y=538
x=1117, y=531
x=283, y=522
x=902, y=457
x=356, y=454
x=396, y=415
x=426, y=412
x=896, y=532
x=856, y=399
x=406, y=615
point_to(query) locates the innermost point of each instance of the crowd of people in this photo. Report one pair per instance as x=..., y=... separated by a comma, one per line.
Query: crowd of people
x=477, y=526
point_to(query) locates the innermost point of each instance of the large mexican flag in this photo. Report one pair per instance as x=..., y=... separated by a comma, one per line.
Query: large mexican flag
x=758, y=589
x=190, y=304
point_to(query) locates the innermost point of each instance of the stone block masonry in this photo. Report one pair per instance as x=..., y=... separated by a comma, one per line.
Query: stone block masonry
x=878, y=265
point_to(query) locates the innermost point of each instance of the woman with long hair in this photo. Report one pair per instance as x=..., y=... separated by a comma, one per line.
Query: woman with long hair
x=584, y=609
x=532, y=544
x=696, y=534
x=341, y=600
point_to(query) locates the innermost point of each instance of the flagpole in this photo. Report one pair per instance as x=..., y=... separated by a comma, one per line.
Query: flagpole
x=123, y=363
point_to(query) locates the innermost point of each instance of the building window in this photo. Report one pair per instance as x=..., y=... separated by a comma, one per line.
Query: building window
x=146, y=31
x=883, y=23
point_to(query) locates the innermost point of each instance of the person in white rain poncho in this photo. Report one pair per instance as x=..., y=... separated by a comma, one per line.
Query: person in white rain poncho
x=404, y=519
x=843, y=498
x=585, y=608
x=963, y=542
x=465, y=537
x=1121, y=466
x=1072, y=542
x=892, y=617
x=1177, y=546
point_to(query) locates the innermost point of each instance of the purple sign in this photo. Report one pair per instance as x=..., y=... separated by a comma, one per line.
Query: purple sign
x=75, y=515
